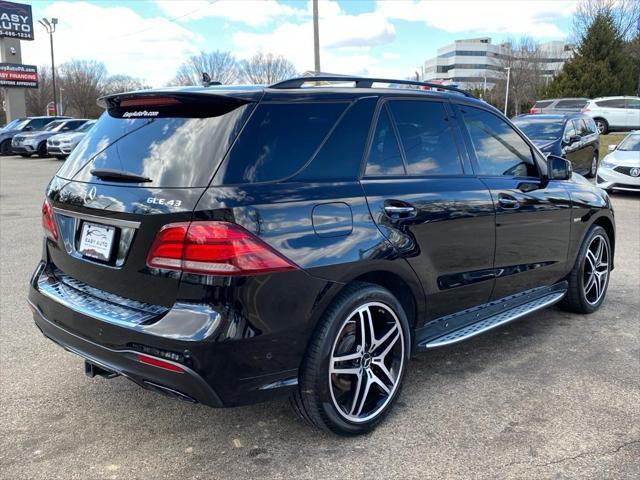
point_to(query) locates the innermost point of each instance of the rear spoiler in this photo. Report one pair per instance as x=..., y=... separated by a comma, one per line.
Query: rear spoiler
x=158, y=104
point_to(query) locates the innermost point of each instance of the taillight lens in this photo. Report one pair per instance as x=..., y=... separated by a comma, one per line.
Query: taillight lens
x=585, y=109
x=533, y=110
x=48, y=223
x=213, y=248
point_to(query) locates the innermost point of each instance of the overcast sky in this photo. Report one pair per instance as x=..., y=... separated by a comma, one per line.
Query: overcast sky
x=149, y=39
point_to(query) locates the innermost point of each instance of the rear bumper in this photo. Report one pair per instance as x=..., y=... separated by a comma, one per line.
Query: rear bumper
x=187, y=385
x=225, y=360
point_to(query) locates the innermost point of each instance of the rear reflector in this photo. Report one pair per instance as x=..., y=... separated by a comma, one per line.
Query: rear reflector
x=48, y=222
x=214, y=248
x=156, y=362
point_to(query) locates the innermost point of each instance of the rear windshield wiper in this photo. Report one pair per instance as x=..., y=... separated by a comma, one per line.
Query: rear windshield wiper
x=119, y=175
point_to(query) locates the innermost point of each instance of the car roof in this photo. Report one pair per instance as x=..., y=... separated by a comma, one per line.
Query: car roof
x=552, y=116
x=562, y=98
x=287, y=90
x=614, y=97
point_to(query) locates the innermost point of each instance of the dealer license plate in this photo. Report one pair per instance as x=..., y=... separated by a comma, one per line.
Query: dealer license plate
x=96, y=241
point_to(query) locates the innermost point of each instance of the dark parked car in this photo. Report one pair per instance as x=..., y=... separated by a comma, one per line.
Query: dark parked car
x=21, y=125
x=227, y=245
x=26, y=144
x=571, y=136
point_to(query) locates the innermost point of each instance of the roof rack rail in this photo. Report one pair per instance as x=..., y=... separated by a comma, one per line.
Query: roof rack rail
x=364, y=82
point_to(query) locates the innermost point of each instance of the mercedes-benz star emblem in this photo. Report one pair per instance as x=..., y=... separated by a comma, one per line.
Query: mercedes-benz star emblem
x=90, y=195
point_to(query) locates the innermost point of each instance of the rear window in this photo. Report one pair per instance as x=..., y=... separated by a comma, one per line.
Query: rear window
x=542, y=104
x=278, y=141
x=172, y=152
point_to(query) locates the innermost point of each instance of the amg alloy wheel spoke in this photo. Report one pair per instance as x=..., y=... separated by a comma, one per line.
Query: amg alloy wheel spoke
x=377, y=343
x=362, y=396
x=380, y=364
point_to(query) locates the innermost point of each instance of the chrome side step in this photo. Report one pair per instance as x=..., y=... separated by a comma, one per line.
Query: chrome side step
x=494, y=321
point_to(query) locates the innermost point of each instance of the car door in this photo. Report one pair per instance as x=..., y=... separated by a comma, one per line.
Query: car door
x=532, y=223
x=425, y=199
x=633, y=112
x=613, y=111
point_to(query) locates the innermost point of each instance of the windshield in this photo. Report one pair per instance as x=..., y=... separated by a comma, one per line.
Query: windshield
x=630, y=144
x=12, y=124
x=53, y=126
x=546, y=129
x=87, y=126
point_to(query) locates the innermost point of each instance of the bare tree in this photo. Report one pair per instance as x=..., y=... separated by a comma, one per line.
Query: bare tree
x=524, y=59
x=624, y=14
x=38, y=98
x=266, y=69
x=123, y=83
x=221, y=67
x=82, y=82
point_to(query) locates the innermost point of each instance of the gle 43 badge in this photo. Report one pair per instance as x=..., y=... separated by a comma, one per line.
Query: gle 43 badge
x=164, y=201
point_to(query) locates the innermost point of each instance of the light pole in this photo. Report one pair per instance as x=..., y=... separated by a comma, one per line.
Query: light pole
x=421, y=67
x=506, y=95
x=50, y=27
x=316, y=38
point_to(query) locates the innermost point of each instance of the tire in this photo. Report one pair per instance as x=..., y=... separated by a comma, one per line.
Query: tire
x=42, y=150
x=353, y=403
x=61, y=157
x=602, y=125
x=593, y=170
x=5, y=148
x=25, y=155
x=583, y=296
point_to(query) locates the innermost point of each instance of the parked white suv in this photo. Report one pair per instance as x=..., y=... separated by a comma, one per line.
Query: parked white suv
x=614, y=113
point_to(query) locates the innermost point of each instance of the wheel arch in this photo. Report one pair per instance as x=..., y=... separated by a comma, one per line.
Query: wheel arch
x=606, y=223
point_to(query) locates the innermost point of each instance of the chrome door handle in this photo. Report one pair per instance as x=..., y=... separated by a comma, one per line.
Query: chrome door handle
x=399, y=210
x=508, y=202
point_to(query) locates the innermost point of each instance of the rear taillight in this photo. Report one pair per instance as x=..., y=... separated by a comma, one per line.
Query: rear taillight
x=213, y=248
x=533, y=110
x=48, y=222
x=585, y=109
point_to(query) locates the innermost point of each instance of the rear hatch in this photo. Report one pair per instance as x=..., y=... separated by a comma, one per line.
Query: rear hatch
x=145, y=163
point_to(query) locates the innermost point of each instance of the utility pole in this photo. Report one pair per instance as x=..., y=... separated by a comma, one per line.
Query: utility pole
x=316, y=38
x=50, y=27
x=506, y=95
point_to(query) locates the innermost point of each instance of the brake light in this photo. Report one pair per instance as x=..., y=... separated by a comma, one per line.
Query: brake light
x=156, y=362
x=48, y=222
x=214, y=248
x=149, y=102
x=585, y=109
x=533, y=110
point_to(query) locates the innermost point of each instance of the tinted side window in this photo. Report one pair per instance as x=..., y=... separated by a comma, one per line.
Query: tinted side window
x=73, y=125
x=542, y=104
x=614, y=103
x=571, y=103
x=633, y=103
x=426, y=138
x=38, y=123
x=278, y=140
x=384, y=156
x=570, y=130
x=581, y=128
x=499, y=149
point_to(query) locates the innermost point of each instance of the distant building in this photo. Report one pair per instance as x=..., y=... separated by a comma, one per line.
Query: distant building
x=467, y=63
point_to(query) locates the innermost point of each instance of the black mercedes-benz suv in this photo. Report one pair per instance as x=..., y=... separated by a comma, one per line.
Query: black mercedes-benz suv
x=226, y=245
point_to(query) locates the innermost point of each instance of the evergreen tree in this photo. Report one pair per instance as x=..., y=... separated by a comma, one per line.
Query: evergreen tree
x=601, y=67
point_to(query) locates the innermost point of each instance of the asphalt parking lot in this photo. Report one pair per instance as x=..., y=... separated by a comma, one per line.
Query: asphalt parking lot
x=555, y=395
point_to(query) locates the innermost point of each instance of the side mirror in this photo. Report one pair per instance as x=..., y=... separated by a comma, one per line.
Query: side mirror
x=574, y=139
x=558, y=168
x=611, y=148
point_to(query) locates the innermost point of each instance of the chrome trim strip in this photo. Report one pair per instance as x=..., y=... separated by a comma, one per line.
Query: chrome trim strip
x=496, y=320
x=95, y=218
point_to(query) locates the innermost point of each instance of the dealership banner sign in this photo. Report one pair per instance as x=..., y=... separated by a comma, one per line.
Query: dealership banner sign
x=18, y=76
x=16, y=21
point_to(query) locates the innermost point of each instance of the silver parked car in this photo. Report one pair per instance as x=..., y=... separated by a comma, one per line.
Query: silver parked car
x=614, y=113
x=559, y=105
x=620, y=170
x=61, y=145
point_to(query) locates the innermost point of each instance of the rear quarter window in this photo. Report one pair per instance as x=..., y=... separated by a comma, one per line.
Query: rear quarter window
x=278, y=140
x=614, y=103
x=571, y=103
x=542, y=104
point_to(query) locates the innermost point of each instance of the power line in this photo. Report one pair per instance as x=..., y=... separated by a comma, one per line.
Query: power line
x=172, y=20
